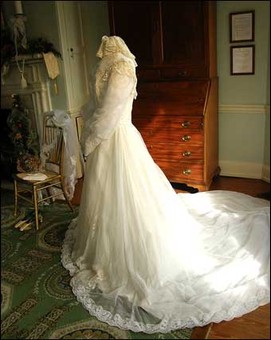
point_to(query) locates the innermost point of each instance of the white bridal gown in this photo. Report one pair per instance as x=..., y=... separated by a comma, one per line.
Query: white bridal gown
x=141, y=256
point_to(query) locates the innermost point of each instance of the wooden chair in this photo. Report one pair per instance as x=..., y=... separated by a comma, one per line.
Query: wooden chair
x=52, y=149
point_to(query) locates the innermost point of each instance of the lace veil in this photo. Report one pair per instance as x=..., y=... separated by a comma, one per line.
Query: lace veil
x=114, y=44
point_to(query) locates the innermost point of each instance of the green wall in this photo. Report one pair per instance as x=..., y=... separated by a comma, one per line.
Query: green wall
x=245, y=89
x=244, y=113
x=95, y=25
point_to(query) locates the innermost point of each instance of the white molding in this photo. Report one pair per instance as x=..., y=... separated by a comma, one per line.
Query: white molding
x=16, y=88
x=241, y=169
x=266, y=173
x=73, y=54
x=37, y=90
x=64, y=49
x=260, y=109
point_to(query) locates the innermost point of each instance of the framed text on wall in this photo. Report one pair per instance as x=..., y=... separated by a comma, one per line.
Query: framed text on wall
x=242, y=60
x=242, y=26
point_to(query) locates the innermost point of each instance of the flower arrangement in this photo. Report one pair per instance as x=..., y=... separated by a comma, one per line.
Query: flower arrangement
x=28, y=163
x=24, y=139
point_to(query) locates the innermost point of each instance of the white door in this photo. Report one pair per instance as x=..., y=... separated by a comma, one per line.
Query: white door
x=74, y=55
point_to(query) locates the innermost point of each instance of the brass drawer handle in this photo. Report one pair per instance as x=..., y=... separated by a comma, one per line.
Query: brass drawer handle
x=187, y=172
x=186, y=153
x=186, y=138
x=186, y=124
x=182, y=73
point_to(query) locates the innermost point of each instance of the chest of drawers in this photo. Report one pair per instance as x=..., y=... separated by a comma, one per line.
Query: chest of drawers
x=178, y=122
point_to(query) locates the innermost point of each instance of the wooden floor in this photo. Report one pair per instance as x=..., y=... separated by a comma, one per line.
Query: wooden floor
x=255, y=325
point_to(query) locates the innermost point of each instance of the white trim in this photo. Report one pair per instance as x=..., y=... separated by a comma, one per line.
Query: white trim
x=266, y=173
x=59, y=5
x=72, y=61
x=241, y=169
x=242, y=108
x=38, y=90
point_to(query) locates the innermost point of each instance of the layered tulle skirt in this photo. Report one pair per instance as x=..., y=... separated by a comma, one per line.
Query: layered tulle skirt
x=144, y=258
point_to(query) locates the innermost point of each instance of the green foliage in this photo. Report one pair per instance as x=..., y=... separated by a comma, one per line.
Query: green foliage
x=24, y=139
x=41, y=45
x=34, y=46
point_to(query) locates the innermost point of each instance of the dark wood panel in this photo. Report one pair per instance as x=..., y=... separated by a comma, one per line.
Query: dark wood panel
x=182, y=171
x=163, y=135
x=184, y=37
x=171, y=151
x=187, y=91
x=182, y=123
x=164, y=33
x=171, y=98
x=133, y=22
x=186, y=71
x=156, y=106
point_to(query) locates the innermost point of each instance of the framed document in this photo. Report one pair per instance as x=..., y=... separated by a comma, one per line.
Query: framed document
x=242, y=60
x=242, y=26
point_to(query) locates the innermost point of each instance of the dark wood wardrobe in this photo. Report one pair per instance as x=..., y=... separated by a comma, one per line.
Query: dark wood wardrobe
x=176, y=110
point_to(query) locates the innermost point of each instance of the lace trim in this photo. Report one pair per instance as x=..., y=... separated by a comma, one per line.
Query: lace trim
x=126, y=68
x=90, y=145
x=117, y=63
x=166, y=325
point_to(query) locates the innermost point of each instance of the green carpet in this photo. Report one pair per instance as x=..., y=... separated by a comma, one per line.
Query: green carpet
x=36, y=298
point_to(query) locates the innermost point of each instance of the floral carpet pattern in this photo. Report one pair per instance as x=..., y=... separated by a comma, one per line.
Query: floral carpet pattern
x=36, y=299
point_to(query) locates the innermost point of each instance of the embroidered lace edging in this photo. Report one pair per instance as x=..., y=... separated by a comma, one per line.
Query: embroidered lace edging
x=166, y=325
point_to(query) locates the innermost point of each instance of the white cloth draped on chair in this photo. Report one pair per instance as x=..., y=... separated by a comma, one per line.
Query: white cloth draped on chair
x=72, y=167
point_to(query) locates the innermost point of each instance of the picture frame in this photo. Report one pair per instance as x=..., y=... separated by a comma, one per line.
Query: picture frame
x=243, y=60
x=242, y=26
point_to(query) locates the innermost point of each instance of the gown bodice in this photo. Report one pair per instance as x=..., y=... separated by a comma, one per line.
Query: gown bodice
x=114, y=89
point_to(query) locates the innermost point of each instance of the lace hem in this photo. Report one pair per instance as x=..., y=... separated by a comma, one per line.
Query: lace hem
x=166, y=325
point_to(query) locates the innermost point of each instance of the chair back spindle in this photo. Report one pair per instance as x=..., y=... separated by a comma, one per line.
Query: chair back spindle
x=52, y=143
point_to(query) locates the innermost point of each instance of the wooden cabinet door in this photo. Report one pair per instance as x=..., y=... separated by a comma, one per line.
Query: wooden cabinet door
x=183, y=27
x=164, y=34
x=135, y=22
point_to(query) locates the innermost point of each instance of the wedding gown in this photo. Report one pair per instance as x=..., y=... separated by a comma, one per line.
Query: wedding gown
x=141, y=256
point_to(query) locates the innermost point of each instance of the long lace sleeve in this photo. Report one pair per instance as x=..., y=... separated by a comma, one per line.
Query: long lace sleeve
x=119, y=85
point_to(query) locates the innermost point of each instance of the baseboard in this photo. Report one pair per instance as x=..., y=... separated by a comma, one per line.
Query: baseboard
x=258, y=109
x=245, y=170
x=266, y=173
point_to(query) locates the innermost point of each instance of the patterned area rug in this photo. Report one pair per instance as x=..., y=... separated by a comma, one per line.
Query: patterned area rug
x=36, y=298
